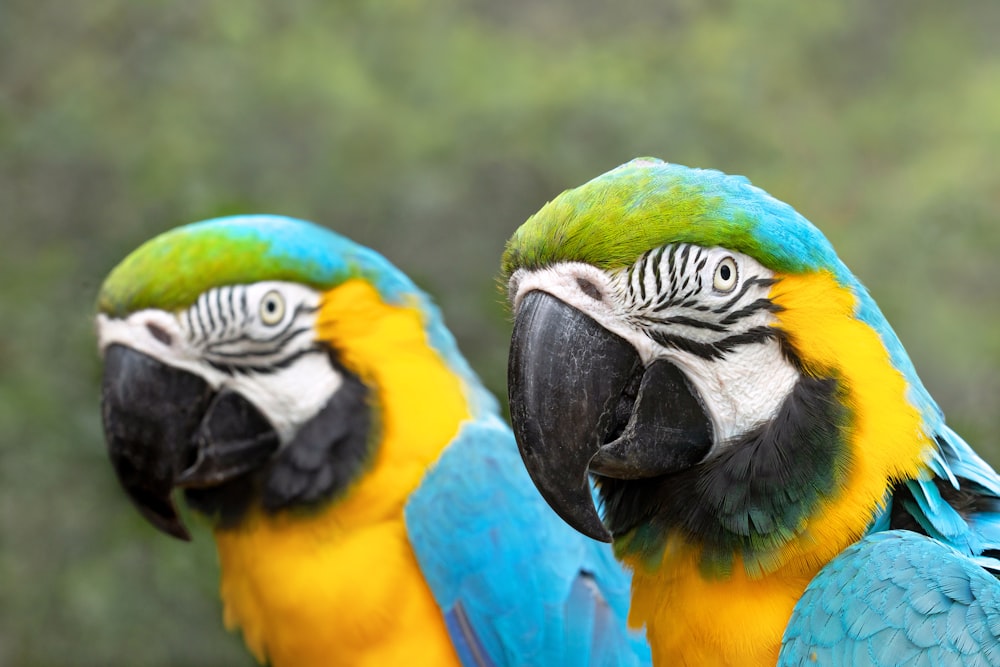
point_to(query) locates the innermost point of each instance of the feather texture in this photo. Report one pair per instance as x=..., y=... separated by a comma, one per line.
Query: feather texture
x=896, y=598
x=523, y=587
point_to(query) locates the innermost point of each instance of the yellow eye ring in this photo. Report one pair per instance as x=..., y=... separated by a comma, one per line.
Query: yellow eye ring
x=726, y=275
x=272, y=308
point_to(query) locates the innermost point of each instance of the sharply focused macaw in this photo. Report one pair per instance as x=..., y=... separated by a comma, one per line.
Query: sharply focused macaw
x=369, y=506
x=768, y=461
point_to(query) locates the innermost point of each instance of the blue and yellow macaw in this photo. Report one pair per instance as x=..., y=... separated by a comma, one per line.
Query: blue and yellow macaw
x=368, y=503
x=770, y=466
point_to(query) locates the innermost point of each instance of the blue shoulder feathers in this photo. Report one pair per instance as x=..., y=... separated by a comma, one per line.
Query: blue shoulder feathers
x=897, y=598
x=517, y=585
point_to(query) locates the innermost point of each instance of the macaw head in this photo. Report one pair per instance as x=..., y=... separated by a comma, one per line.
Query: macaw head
x=245, y=361
x=697, y=345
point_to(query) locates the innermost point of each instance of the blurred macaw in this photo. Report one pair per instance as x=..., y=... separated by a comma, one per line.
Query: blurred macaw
x=769, y=463
x=368, y=504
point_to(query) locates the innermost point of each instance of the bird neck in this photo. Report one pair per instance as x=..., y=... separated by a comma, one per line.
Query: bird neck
x=421, y=401
x=736, y=591
x=351, y=560
x=886, y=438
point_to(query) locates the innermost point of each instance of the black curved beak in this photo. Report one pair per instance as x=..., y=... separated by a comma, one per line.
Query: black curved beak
x=581, y=402
x=167, y=428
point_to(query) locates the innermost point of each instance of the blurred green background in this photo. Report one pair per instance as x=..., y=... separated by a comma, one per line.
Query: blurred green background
x=430, y=129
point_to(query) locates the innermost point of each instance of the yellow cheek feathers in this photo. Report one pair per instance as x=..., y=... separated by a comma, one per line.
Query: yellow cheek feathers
x=341, y=585
x=887, y=442
x=740, y=619
x=421, y=400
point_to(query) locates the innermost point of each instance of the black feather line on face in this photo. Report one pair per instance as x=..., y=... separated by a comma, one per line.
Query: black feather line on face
x=718, y=349
x=753, y=281
x=751, y=498
x=747, y=311
x=324, y=458
x=248, y=368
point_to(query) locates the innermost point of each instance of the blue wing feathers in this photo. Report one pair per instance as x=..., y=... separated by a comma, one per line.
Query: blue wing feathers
x=897, y=597
x=579, y=634
x=515, y=582
x=469, y=648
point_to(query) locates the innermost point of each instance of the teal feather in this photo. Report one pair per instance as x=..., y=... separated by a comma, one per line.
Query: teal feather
x=495, y=553
x=896, y=598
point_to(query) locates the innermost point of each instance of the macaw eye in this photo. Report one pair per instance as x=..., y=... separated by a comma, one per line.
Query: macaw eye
x=726, y=276
x=272, y=308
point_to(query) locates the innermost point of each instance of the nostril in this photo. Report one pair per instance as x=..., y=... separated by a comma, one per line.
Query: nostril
x=589, y=288
x=159, y=334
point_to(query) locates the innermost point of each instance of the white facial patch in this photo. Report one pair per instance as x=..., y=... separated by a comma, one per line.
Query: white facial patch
x=293, y=395
x=258, y=340
x=574, y=283
x=741, y=391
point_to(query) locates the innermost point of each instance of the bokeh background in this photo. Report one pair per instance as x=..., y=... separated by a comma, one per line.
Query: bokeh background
x=429, y=129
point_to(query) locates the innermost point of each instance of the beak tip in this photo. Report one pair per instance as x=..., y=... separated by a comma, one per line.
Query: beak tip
x=601, y=536
x=592, y=526
x=182, y=534
x=577, y=509
x=585, y=519
x=163, y=516
x=175, y=528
